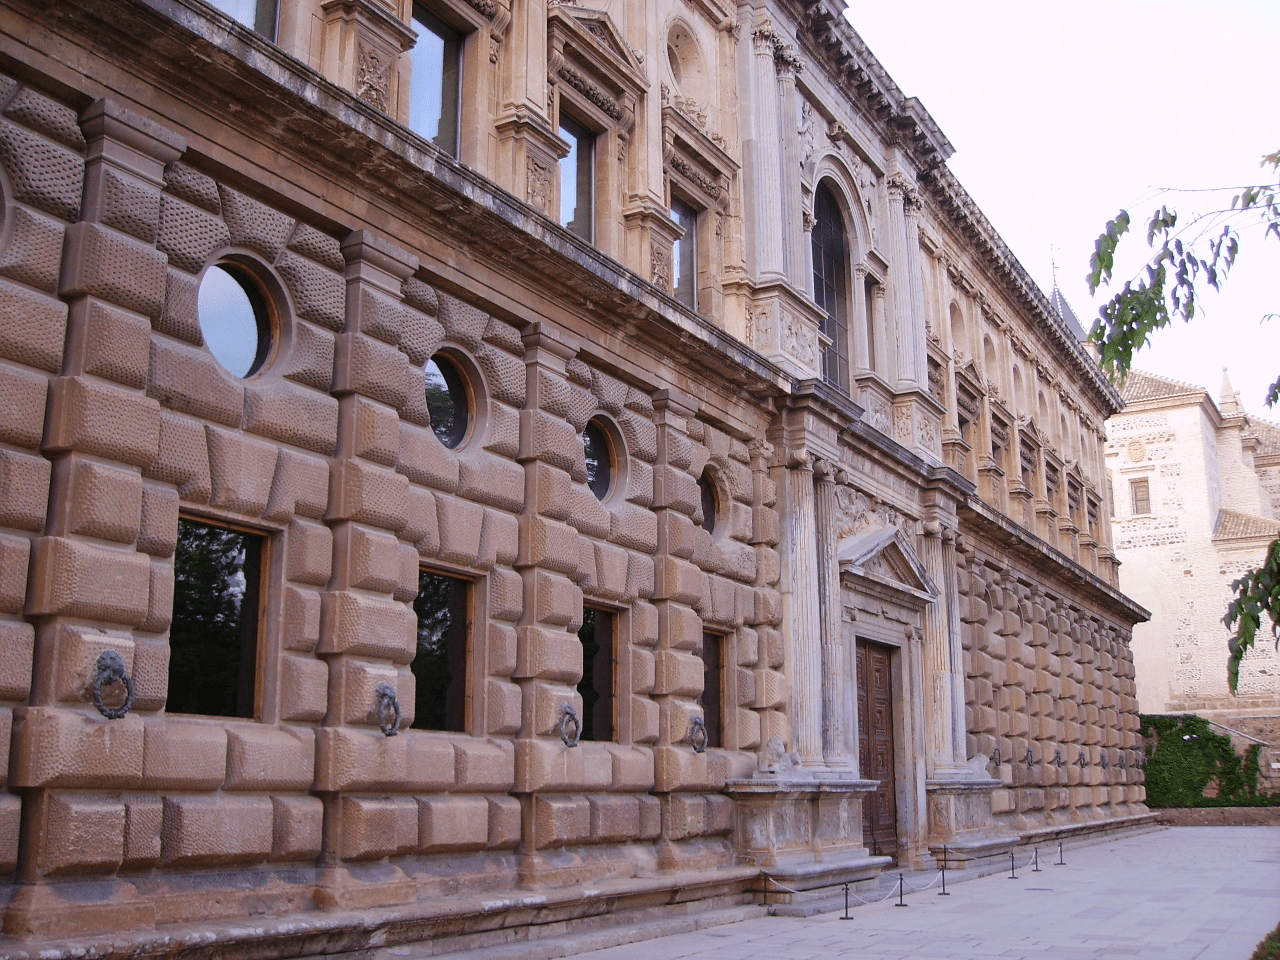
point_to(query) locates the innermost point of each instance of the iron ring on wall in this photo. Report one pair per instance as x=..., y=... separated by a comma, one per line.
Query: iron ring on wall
x=698, y=737
x=110, y=667
x=570, y=726
x=387, y=710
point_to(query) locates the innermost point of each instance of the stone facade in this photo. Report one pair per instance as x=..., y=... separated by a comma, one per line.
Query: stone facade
x=906, y=472
x=1206, y=507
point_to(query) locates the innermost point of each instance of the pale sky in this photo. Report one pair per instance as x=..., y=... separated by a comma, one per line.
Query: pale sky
x=1063, y=113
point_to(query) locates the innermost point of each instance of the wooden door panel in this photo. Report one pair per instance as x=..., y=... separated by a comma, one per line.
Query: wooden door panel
x=875, y=747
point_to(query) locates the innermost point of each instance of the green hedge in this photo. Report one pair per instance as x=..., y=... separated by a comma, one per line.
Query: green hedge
x=1184, y=756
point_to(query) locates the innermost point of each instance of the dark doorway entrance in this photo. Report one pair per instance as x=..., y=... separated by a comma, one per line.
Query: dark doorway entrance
x=875, y=748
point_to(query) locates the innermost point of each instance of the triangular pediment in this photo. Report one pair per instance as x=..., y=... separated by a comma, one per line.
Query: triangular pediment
x=885, y=555
x=603, y=34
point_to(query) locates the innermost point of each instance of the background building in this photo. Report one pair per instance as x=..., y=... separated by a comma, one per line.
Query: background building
x=473, y=464
x=1195, y=504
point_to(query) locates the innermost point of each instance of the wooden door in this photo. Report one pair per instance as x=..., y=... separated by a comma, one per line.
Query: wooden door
x=875, y=748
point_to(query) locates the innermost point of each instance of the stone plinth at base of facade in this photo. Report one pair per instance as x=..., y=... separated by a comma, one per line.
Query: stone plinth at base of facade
x=960, y=816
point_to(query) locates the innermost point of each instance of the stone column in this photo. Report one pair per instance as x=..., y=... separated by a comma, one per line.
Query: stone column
x=913, y=330
x=939, y=690
x=800, y=610
x=792, y=230
x=837, y=690
x=903, y=372
x=766, y=179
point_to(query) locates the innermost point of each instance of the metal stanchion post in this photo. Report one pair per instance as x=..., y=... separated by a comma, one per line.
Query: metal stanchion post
x=944, y=872
x=1061, y=862
x=1036, y=868
x=900, y=885
x=846, y=903
x=1013, y=866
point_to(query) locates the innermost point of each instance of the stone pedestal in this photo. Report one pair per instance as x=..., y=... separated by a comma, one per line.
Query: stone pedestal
x=960, y=820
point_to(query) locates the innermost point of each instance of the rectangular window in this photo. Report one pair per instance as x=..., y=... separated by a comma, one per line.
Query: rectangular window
x=435, y=87
x=257, y=15
x=1140, y=496
x=217, y=609
x=596, y=685
x=443, y=607
x=712, y=688
x=577, y=179
x=684, y=255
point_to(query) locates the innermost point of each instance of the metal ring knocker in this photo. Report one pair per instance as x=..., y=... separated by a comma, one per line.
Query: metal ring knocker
x=570, y=726
x=698, y=738
x=387, y=710
x=110, y=667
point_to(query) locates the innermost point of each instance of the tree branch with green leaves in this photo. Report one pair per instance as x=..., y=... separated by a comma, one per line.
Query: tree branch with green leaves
x=1191, y=253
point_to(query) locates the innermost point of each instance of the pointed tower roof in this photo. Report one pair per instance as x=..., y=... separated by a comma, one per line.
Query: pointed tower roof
x=1059, y=303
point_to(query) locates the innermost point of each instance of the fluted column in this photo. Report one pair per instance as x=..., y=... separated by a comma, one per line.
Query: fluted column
x=837, y=691
x=939, y=716
x=766, y=186
x=912, y=329
x=792, y=230
x=802, y=611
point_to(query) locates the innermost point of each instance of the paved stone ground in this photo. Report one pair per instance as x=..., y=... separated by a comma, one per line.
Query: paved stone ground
x=1209, y=893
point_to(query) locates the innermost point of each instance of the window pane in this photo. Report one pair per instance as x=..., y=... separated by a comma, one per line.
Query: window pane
x=830, y=283
x=685, y=255
x=233, y=319
x=712, y=705
x=213, y=640
x=577, y=178
x=448, y=400
x=259, y=15
x=599, y=459
x=1141, y=496
x=434, y=82
x=596, y=685
x=440, y=665
x=707, y=490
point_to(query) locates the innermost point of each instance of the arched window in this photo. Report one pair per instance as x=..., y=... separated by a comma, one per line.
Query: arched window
x=831, y=284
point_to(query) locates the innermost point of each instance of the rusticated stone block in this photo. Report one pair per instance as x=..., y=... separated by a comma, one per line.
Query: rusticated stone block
x=83, y=834
x=190, y=380
x=461, y=525
x=650, y=818
x=549, y=544
x=679, y=768
x=375, y=827
x=748, y=736
x=368, y=494
x=185, y=754
x=241, y=469
x=407, y=584
x=150, y=673
x=484, y=765
x=301, y=626
x=506, y=595
x=504, y=822
x=425, y=460
x=359, y=684
x=634, y=527
x=500, y=541
x=491, y=480
x=194, y=187
x=103, y=263
x=78, y=651
x=17, y=646
x=504, y=375
x=557, y=601
x=144, y=816
x=125, y=203
x=297, y=827
x=310, y=359
x=365, y=366
x=201, y=831
x=678, y=580
x=502, y=431
x=683, y=628
x=158, y=527
x=644, y=624
x=22, y=402
x=643, y=671
x=503, y=702
x=319, y=295
x=502, y=649
x=309, y=553
x=368, y=559
x=182, y=458
x=159, y=598
x=46, y=115
x=301, y=487
x=62, y=748
x=349, y=758
x=632, y=768
x=549, y=655
x=611, y=566
x=559, y=821
x=645, y=716
x=104, y=501
x=79, y=579
x=554, y=497
x=43, y=174
x=452, y=823
x=678, y=674
x=292, y=414
x=190, y=236
x=555, y=442
x=266, y=758
x=351, y=623
x=180, y=316
x=253, y=224
x=94, y=417
x=24, y=490
x=548, y=765
x=614, y=818
x=34, y=253
x=377, y=432
x=304, y=688
x=34, y=327
x=463, y=322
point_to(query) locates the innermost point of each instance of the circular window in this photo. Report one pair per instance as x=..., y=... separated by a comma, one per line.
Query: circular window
x=448, y=400
x=710, y=502
x=234, y=318
x=598, y=452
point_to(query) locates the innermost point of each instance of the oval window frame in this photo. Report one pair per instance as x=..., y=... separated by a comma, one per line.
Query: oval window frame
x=708, y=482
x=617, y=457
x=266, y=298
x=471, y=385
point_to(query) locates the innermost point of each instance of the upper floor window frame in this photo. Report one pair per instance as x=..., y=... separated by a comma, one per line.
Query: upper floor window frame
x=260, y=16
x=832, y=281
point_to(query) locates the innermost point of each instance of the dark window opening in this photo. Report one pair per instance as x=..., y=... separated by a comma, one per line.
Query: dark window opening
x=440, y=665
x=258, y=15
x=684, y=284
x=830, y=285
x=577, y=179
x=712, y=686
x=710, y=503
x=448, y=400
x=435, y=83
x=596, y=685
x=1140, y=492
x=598, y=454
x=213, y=639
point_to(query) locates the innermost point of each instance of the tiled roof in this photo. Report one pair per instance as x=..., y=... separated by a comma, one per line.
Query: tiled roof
x=1268, y=435
x=1233, y=525
x=1139, y=386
